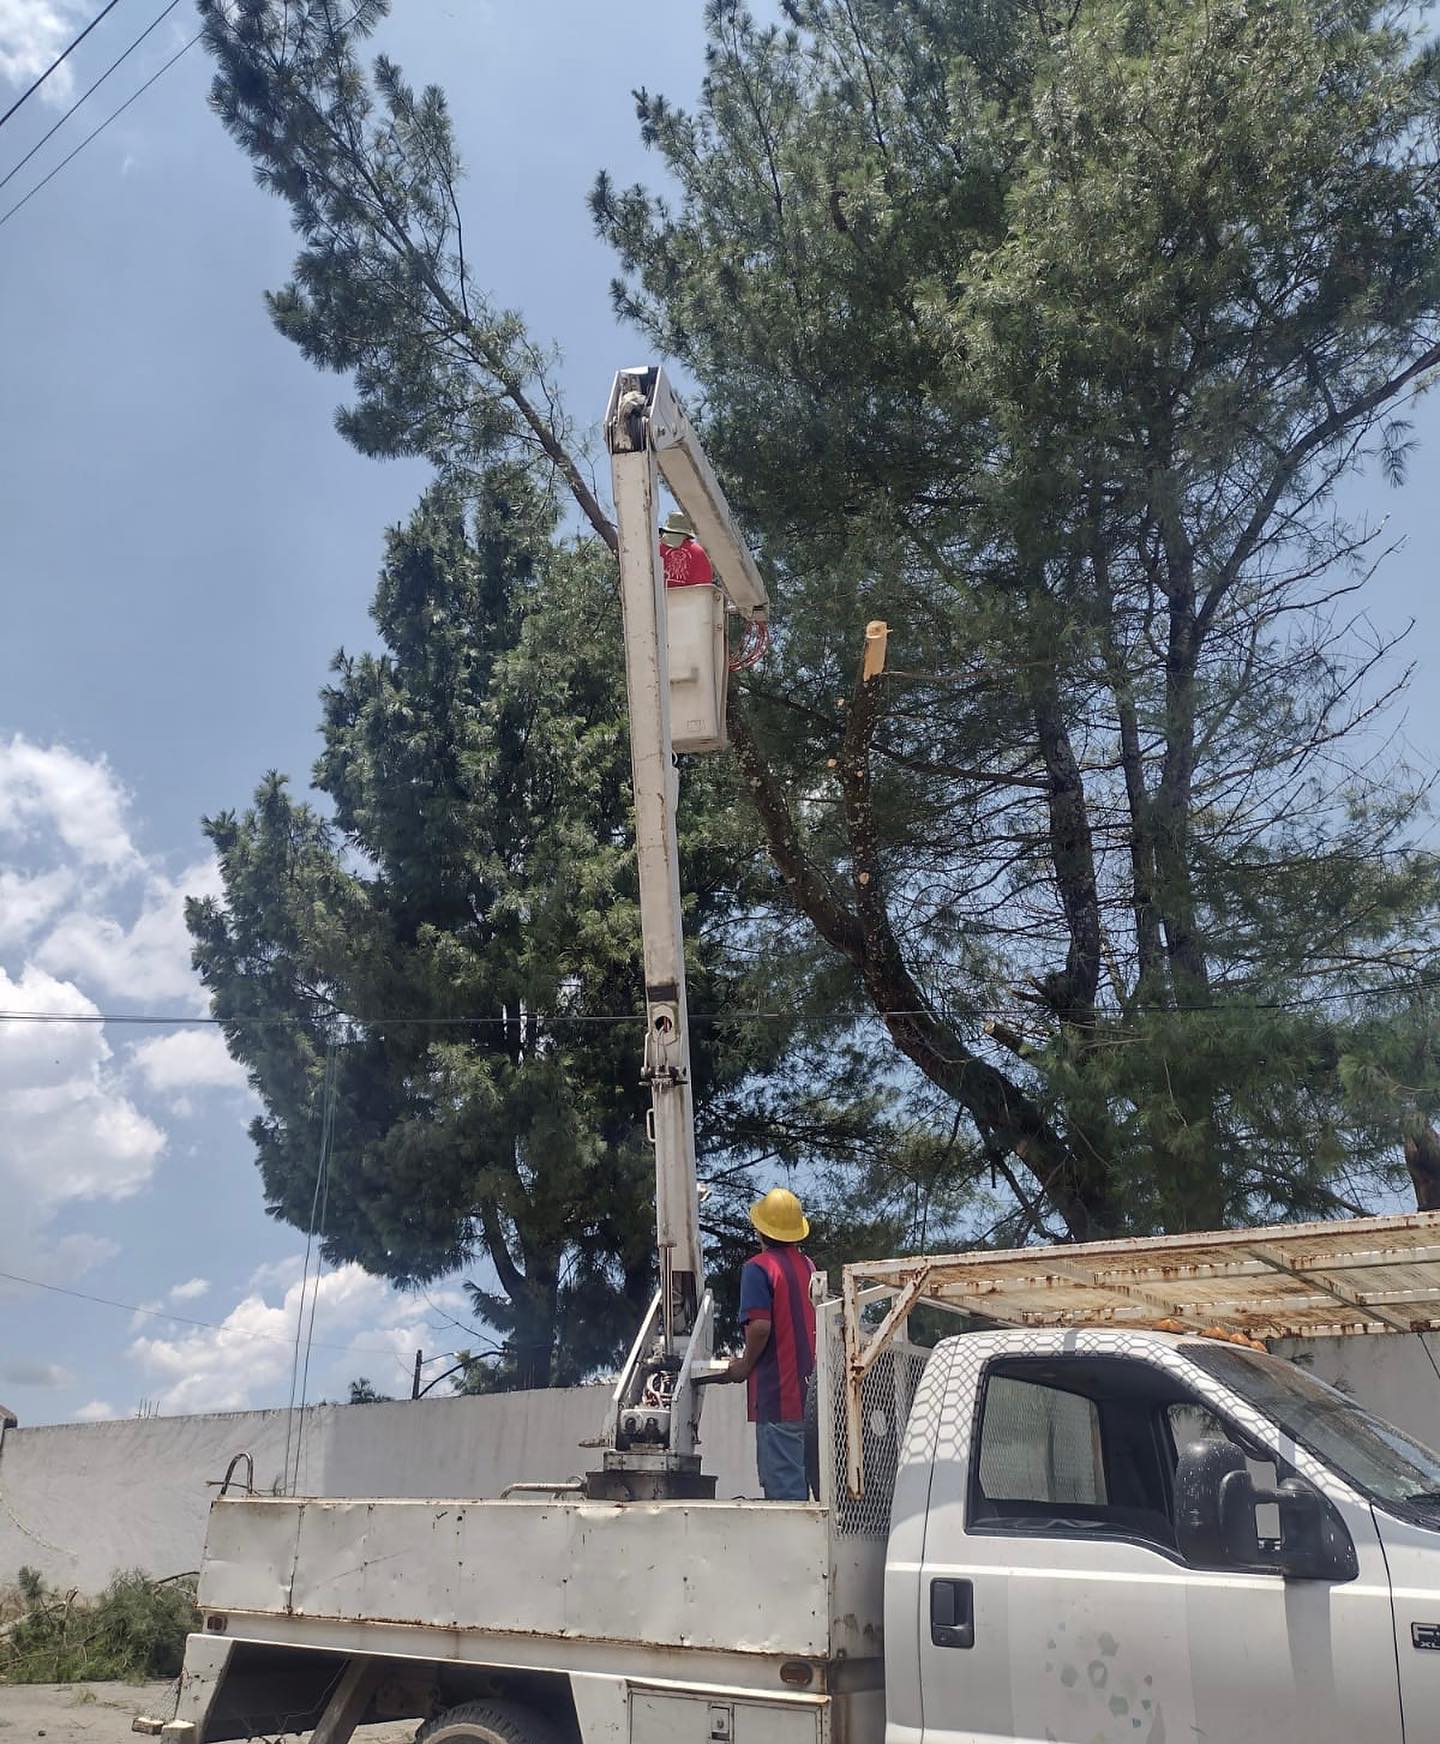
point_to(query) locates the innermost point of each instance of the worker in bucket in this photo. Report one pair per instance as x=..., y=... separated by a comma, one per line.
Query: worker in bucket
x=682, y=557
x=779, y=1355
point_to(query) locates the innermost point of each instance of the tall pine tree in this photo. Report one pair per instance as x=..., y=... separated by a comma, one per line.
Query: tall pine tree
x=440, y=967
x=1047, y=335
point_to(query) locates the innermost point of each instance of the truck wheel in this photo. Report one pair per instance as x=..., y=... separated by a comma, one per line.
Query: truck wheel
x=488, y=1723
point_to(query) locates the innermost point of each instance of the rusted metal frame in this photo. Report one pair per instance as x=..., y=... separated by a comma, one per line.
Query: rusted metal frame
x=860, y=1356
x=1280, y=1316
x=1328, y=1287
x=1154, y=1252
x=854, y=1441
x=986, y=1281
x=1166, y=1309
x=1400, y=1298
x=346, y=1707
x=1341, y=1260
x=865, y=1355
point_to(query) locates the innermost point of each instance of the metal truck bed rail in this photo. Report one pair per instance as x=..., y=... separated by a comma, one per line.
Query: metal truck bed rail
x=1292, y=1280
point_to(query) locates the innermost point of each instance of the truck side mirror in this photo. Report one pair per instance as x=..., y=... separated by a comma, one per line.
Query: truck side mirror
x=1215, y=1503
x=1215, y=1506
x=1314, y=1544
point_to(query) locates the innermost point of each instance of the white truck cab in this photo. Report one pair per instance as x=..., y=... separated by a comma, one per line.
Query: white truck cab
x=1113, y=1535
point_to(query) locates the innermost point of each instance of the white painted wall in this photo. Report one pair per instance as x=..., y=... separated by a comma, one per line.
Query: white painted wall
x=79, y=1501
x=1392, y=1376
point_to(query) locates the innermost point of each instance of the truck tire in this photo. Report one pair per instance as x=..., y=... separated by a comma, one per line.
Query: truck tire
x=488, y=1723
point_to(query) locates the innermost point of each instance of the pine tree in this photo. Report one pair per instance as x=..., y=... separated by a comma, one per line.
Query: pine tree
x=440, y=972
x=1047, y=335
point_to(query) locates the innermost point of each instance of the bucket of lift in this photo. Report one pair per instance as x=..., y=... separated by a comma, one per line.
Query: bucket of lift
x=696, y=655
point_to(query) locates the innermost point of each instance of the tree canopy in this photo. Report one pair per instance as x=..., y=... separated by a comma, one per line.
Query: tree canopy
x=1049, y=335
x=433, y=985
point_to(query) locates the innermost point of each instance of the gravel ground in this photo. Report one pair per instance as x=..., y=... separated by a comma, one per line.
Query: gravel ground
x=100, y=1713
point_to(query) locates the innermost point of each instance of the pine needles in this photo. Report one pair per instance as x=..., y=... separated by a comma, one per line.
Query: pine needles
x=133, y=1633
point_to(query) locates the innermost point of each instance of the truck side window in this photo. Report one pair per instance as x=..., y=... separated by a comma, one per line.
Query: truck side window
x=1195, y=1422
x=1079, y=1445
x=1039, y=1444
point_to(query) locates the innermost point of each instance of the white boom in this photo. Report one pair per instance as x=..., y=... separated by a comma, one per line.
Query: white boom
x=654, y=1433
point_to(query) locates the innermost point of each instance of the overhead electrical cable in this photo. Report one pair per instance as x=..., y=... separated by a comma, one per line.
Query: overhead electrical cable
x=319, y=1207
x=95, y=132
x=64, y=55
x=190, y=1320
x=89, y=91
x=1423, y=983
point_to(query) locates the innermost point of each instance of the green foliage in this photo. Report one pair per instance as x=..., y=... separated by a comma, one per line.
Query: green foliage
x=363, y=1393
x=452, y=955
x=134, y=1632
x=1046, y=335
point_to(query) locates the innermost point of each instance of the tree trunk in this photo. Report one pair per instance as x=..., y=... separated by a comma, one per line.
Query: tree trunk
x=1422, y=1158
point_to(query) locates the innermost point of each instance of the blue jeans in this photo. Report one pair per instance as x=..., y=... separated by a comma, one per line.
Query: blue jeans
x=780, y=1460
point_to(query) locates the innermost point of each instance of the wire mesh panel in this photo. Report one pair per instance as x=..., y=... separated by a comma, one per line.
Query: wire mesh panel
x=1039, y=1444
x=886, y=1395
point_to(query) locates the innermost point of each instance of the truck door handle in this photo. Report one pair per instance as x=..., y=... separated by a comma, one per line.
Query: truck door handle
x=952, y=1613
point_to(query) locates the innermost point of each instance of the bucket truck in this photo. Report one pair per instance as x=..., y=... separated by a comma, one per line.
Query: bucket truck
x=1110, y=1515
x=675, y=680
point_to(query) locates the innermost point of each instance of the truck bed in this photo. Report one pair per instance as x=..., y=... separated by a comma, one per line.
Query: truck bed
x=745, y=1578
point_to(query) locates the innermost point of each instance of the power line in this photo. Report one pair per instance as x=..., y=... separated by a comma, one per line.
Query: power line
x=189, y=1320
x=836, y=1018
x=45, y=138
x=95, y=132
x=64, y=54
x=319, y=1208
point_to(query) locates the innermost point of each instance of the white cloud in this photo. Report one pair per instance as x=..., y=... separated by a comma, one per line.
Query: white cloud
x=148, y=959
x=48, y=787
x=26, y=903
x=187, y=1059
x=90, y=906
x=67, y=1128
x=190, y=1291
x=246, y=1359
x=97, y=1411
x=32, y=34
x=86, y=919
x=23, y=1373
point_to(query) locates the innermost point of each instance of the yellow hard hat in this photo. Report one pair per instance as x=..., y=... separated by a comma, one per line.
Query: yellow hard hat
x=779, y=1216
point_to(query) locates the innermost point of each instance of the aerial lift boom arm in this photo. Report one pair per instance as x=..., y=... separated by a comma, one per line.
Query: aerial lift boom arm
x=657, y=1407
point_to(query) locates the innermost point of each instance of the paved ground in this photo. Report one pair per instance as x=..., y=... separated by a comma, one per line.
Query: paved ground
x=100, y=1713
x=76, y=1713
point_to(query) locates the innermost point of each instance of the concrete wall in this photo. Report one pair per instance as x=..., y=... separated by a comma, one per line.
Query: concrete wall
x=79, y=1501
x=1393, y=1377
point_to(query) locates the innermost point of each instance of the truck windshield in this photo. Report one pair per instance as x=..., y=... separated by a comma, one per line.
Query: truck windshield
x=1379, y=1459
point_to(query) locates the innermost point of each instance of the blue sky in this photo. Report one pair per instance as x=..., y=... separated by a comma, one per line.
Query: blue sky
x=184, y=542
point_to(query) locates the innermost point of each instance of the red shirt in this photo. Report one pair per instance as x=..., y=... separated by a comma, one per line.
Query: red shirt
x=775, y=1286
x=685, y=565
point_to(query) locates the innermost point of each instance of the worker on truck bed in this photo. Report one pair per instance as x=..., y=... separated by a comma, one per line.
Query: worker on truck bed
x=779, y=1354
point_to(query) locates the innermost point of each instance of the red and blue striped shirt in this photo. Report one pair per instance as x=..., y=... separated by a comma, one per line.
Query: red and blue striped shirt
x=775, y=1286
